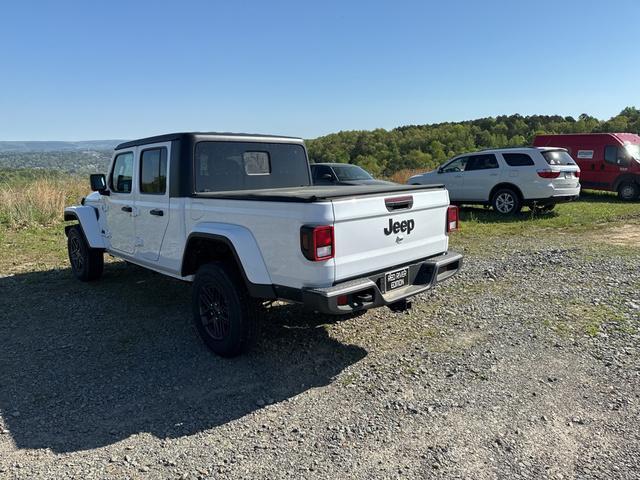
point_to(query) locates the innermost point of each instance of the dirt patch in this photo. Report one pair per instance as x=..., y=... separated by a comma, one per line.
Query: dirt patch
x=524, y=366
x=627, y=235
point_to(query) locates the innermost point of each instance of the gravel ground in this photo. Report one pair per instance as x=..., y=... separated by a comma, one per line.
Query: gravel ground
x=524, y=366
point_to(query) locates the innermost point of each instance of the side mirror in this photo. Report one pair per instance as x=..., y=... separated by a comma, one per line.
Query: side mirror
x=328, y=177
x=440, y=170
x=98, y=182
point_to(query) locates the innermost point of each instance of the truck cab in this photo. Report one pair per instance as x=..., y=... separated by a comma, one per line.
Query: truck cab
x=608, y=161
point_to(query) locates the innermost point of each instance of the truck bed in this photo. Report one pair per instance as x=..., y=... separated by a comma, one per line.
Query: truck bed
x=312, y=194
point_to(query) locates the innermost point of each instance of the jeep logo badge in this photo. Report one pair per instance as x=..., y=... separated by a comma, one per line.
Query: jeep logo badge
x=397, y=227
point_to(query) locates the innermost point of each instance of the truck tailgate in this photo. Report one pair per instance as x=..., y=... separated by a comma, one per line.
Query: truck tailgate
x=374, y=233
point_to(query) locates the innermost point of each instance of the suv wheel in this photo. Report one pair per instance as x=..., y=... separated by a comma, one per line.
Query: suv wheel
x=223, y=312
x=86, y=263
x=506, y=201
x=628, y=191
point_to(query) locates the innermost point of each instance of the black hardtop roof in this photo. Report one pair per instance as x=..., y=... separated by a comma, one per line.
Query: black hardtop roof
x=199, y=135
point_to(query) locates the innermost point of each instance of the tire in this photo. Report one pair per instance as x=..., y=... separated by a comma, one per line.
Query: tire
x=87, y=263
x=628, y=191
x=223, y=313
x=506, y=201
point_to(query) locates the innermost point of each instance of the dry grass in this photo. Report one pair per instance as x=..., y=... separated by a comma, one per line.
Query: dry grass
x=401, y=176
x=40, y=202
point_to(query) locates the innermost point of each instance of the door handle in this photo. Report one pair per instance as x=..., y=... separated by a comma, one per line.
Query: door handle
x=127, y=208
x=157, y=211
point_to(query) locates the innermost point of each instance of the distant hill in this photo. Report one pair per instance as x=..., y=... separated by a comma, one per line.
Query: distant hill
x=89, y=156
x=423, y=147
x=17, y=146
x=382, y=152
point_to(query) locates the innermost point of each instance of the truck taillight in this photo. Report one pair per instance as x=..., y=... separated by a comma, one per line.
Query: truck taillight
x=453, y=218
x=317, y=243
x=548, y=174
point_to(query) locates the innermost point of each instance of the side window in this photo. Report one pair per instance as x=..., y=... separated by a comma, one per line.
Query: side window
x=122, y=173
x=321, y=170
x=457, y=165
x=615, y=155
x=611, y=154
x=518, y=159
x=481, y=162
x=153, y=171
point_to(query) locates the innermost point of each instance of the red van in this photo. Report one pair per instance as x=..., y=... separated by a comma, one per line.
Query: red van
x=608, y=161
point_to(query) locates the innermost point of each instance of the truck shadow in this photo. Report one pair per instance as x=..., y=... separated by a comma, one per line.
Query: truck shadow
x=87, y=365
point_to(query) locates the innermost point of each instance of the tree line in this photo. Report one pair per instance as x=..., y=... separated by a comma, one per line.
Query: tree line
x=385, y=152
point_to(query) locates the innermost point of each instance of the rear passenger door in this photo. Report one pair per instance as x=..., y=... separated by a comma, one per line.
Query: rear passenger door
x=152, y=203
x=521, y=171
x=480, y=176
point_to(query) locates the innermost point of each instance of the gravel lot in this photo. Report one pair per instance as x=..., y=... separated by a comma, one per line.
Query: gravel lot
x=524, y=366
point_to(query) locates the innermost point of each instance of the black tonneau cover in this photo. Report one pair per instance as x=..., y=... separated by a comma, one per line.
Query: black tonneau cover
x=315, y=193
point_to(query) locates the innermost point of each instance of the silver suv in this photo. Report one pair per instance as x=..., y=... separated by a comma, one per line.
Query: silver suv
x=508, y=178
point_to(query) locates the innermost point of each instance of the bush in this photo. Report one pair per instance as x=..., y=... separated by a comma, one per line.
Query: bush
x=38, y=202
x=401, y=176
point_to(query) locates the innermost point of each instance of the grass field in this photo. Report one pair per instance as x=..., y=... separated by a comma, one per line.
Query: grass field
x=590, y=211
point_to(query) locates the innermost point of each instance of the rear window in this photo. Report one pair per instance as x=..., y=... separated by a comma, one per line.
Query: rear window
x=558, y=157
x=351, y=172
x=223, y=166
x=518, y=159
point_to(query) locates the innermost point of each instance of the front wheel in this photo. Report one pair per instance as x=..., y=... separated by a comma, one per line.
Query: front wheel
x=223, y=313
x=86, y=263
x=506, y=202
x=628, y=191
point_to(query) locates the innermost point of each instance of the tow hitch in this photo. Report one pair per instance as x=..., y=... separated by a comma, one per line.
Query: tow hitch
x=400, y=306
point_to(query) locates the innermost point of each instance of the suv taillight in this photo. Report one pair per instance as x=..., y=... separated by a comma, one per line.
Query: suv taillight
x=317, y=243
x=453, y=219
x=548, y=174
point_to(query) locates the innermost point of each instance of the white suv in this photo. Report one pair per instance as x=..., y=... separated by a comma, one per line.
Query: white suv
x=508, y=178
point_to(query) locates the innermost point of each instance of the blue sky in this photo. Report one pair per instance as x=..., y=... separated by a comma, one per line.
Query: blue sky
x=78, y=70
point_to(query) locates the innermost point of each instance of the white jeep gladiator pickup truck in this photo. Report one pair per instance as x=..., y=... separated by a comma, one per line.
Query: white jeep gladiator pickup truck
x=238, y=215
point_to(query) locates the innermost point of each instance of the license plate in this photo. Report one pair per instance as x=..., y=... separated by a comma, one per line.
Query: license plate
x=397, y=279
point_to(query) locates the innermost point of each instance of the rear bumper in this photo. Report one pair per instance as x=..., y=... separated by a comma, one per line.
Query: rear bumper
x=368, y=292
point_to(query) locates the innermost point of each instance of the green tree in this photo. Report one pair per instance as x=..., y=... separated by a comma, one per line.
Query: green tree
x=384, y=152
